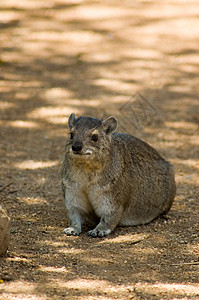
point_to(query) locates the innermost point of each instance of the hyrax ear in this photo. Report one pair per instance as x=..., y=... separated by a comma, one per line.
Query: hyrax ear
x=71, y=121
x=109, y=125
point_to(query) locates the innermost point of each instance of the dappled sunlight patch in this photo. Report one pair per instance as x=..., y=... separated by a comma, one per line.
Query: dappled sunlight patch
x=33, y=200
x=33, y=165
x=182, y=125
x=145, y=252
x=62, y=247
x=101, y=286
x=113, y=84
x=34, y=48
x=70, y=251
x=94, y=13
x=194, y=248
x=100, y=297
x=41, y=180
x=6, y=105
x=175, y=289
x=17, y=258
x=18, y=288
x=110, y=83
x=99, y=57
x=56, y=94
x=60, y=96
x=9, y=16
x=52, y=114
x=189, y=68
x=21, y=296
x=145, y=54
x=73, y=37
x=126, y=239
x=194, y=139
x=53, y=243
x=98, y=261
x=57, y=114
x=28, y=5
x=23, y=124
x=190, y=177
x=91, y=102
x=187, y=162
x=180, y=88
x=22, y=95
x=53, y=269
x=161, y=133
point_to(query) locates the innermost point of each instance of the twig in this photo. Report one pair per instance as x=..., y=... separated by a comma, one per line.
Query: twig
x=182, y=264
x=13, y=191
x=5, y=186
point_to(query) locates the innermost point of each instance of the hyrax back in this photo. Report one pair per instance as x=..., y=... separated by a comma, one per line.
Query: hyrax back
x=111, y=179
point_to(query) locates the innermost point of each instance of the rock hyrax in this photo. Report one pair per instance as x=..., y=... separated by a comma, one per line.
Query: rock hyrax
x=111, y=179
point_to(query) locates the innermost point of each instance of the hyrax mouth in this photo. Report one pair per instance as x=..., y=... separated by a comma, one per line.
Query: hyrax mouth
x=88, y=152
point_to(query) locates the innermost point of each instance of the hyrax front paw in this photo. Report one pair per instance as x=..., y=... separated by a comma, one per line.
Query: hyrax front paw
x=99, y=232
x=72, y=231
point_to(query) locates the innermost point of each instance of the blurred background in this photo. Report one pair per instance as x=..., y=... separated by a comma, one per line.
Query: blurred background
x=136, y=60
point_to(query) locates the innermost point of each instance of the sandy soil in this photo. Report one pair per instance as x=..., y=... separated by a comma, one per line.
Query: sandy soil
x=137, y=60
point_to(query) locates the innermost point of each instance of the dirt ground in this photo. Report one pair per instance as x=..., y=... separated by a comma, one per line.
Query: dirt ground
x=137, y=60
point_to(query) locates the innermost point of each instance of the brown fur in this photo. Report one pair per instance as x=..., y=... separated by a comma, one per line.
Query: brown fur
x=117, y=178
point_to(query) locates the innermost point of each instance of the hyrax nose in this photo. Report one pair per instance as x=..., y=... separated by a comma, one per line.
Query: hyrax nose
x=77, y=146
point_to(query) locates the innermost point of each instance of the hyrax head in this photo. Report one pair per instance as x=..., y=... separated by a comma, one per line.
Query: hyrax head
x=89, y=137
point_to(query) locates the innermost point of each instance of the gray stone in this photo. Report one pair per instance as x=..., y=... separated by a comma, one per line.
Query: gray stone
x=4, y=231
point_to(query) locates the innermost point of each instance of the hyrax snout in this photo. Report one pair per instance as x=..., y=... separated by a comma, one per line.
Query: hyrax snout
x=111, y=179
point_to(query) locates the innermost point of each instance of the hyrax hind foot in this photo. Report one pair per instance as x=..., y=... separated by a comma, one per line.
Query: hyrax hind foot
x=71, y=231
x=99, y=232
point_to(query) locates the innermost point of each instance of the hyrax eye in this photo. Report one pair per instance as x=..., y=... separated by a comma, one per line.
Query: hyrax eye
x=94, y=138
x=71, y=135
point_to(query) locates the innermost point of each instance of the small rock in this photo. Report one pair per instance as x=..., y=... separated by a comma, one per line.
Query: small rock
x=4, y=231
